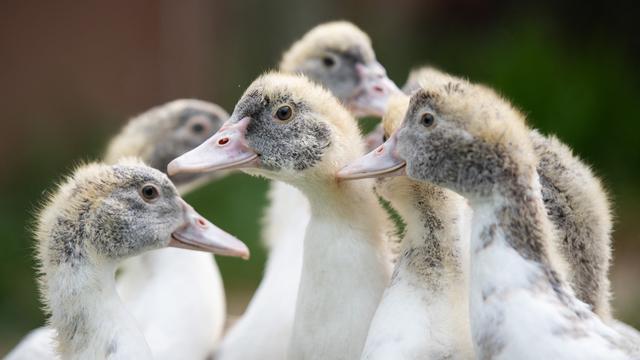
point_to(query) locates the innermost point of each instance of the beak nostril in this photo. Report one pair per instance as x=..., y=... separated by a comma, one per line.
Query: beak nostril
x=380, y=150
x=378, y=88
x=201, y=222
x=223, y=141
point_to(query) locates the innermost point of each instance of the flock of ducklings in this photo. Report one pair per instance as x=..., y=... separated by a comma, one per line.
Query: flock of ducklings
x=505, y=253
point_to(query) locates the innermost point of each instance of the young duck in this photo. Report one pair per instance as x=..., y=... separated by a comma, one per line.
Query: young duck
x=422, y=75
x=576, y=203
x=424, y=312
x=339, y=56
x=473, y=142
x=286, y=128
x=99, y=216
x=189, y=326
x=192, y=324
x=163, y=132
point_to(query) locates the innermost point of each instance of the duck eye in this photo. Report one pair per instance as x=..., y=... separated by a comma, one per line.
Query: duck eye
x=284, y=112
x=385, y=138
x=328, y=61
x=427, y=120
x=198, y=124
x=149, y=192
x=197, y=128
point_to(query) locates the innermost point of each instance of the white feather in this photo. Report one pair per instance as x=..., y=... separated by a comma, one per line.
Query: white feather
x=264, y=330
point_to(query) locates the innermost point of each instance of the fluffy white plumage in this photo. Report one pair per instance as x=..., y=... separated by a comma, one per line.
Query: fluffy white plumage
x=267, y=323
x=506, y=304
x=177, y=299
x=425, y=315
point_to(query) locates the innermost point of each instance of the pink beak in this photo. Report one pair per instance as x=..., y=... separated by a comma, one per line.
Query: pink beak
x=374, y=92
x=197, y=233
x=226, y=149
x=381, y=162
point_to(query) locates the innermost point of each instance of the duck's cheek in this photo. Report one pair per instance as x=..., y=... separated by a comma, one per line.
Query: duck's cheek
x=296, y=146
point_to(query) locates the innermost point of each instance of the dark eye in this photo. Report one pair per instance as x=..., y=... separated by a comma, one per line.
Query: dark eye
x=384, y=138
x=328, y=61
x=284, y=112
x=427, y=120
x=149, y=192
x=197, y=128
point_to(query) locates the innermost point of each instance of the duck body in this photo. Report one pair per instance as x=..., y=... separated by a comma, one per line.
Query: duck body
x=268, y=321
x=528, y=303
x=346, y=246
x=151, y=282
x=422, y=315
x=37, y=344
x=579, y=209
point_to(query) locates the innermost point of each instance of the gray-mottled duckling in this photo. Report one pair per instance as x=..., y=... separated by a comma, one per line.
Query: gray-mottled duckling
x=99, y=216
x=424, y=312
x=471, y=141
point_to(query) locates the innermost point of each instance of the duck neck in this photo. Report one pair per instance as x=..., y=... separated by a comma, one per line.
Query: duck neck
x=517, y=211
x=87, y=313
x=434, y=250
x=345, y=270
x=511, y=242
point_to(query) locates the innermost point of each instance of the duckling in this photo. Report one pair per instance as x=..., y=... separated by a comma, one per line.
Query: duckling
x=339, y=56
x=163, y=132
x=424, y=312
x=147, y=282
x=425, y=74
x=576, y=203
x=475, y=143
x=287, y=128
x=100, y=215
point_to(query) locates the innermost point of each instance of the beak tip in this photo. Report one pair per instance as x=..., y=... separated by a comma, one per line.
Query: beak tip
x=173, y=168
x=347, y=174
x=343, y=173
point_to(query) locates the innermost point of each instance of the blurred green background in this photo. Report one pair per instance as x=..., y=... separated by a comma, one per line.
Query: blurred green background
x=72, y=73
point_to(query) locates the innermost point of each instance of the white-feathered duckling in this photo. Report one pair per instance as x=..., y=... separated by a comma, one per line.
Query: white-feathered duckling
x=471, y=141
x=286, y=128
x=97, y=217
x=339, y=56
x=424, y=313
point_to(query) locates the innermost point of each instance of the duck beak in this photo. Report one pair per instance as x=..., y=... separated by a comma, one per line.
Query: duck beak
x=226, y=149
x=374, y=91
x=197, y=233
x=381, y=162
